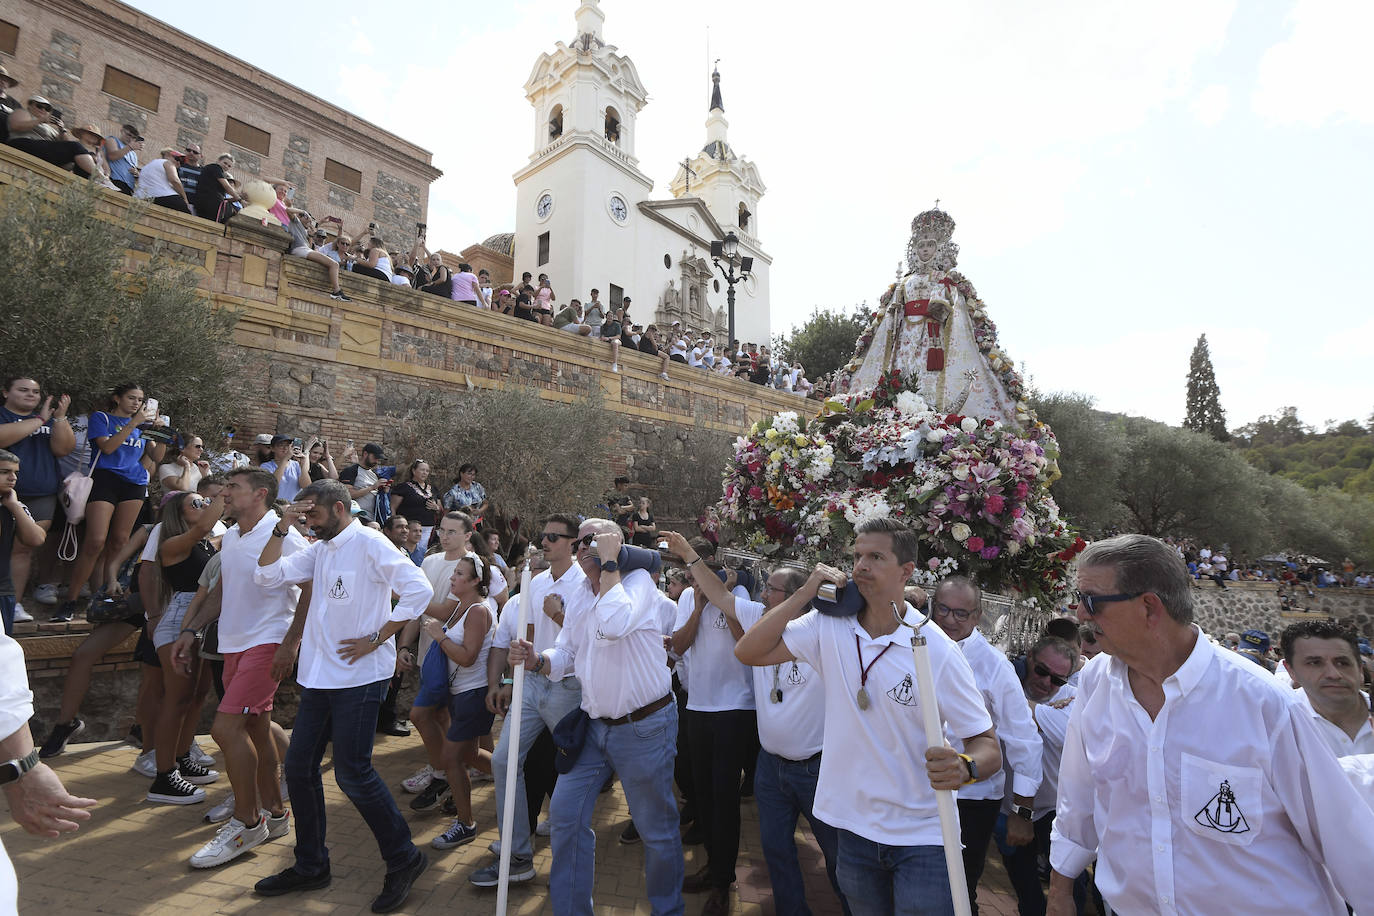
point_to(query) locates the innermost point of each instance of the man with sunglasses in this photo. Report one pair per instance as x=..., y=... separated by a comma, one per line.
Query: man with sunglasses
x=613, y=638
x=1187, y=771
x=957, y=609
x=546, y=699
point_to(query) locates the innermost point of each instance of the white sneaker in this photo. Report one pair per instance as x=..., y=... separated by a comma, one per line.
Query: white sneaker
x=418, y=782
x=146, y=765
x=46, y=594
x=200, y=757
x=21, y=615
x=475, y=776
x=544, y=828
x=277, y=826
x=223, y=811
x=231, y=841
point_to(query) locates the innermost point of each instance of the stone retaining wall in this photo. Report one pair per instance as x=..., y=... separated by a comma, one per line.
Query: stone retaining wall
x=1255, y=605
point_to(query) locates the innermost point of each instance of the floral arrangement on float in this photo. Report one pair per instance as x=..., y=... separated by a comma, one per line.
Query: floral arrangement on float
x=976, y=491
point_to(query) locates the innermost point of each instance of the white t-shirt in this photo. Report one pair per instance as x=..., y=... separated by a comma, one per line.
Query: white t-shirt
x=892, y=802
x=175, y=470
x=794, y=727
x=719, y=680
x=253, y=615
x=545, y=630
x=694, y=359
x=438, y=571
x=290, y=483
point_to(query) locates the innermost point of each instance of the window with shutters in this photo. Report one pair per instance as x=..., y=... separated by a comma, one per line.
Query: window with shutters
x=9, y=37
x=247, y=136
x=343, y=176
x=131, y=88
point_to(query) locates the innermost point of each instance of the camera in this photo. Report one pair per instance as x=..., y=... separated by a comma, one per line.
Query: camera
x=828, y=591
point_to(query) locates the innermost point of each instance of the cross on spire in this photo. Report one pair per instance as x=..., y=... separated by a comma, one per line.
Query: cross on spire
x=688, y=175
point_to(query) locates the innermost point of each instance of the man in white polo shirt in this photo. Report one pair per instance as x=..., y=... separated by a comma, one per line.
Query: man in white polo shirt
x=891, y=854
x=546, y=699
x=255, y=630
x=790, y=703
x=613, y=637
x=347, y=659
x=1323, y=658
x=957, y=609
x=1187, y=771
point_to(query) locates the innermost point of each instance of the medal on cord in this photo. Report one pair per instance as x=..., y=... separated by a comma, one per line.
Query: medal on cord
x=776, y=693
x=862, y=695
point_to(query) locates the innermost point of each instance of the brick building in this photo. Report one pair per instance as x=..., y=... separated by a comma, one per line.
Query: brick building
x=108, y=64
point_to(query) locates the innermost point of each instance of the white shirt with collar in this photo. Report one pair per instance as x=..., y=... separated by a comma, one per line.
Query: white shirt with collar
x=1341, y=744
x=1052, y=719
x=793, y=726
x=722, y=682
x=253, y=615
x=16, y=708
x=353, y=576
x=1229, y=786
x=877, y=786
x=1011, y=716
x=545, y=629
x=614, y=642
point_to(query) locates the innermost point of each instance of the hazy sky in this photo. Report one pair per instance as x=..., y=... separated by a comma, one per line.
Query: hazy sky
x=1125, y=176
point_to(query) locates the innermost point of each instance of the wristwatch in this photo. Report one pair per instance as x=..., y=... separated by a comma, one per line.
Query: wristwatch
x=376, y=637
x=1022, y=812
x=11, y=770
x=278, y=533
x=610, y=566
x=972, y=768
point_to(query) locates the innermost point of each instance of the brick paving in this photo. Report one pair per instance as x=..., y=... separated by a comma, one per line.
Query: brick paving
x=131, y=858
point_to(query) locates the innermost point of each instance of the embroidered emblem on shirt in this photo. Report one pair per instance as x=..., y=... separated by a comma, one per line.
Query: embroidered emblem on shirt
x=600, y=635
x=719, y=623
x=904, y=693
x=338, y=591
x=1222, y=813
x=794, y=677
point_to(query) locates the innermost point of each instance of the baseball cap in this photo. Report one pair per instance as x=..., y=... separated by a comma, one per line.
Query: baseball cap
x=1254, y=641
x=354, y=508
x=262, y=439
x=1365, y=648
x=5, y=76
x=279, y=438
x=374, y=449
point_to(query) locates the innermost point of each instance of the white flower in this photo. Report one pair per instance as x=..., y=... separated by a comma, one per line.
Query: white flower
x=786, y=422
x=960, y=532
x=1013, y=548
x=968, y=424
x=935, y=435
x=960, y=472
x=866, y=506
x=909, y=402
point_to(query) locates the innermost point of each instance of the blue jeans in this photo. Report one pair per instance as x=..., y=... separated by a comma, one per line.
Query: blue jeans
x=882, y=880
x=544, y=702
x=348, y=717
x=783, y=791
x=641, y=753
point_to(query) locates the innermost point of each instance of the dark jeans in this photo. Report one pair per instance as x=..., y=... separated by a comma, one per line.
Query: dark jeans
x=348, y=717
x=57, y=152
x=682, y=766
x=172, y=202
x=784, y=790
x=882, y=880
x=977, y=817
x=541, y=776
x=7, y=612
x=360, y=268
x=1024, y=875
x=719, y=743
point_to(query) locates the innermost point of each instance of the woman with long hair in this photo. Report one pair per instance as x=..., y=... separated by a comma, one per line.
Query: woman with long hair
x=544, y=300
x=466, y=645
x=121, y=459
x=183, y=552
x=321, y=463
x=375, y=262
x=414, y=498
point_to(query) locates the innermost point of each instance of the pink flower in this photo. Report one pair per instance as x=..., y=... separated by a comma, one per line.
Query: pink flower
x=994, y=504
x=1022, y=490
x=989, y=553
x=974, y=543
x=933, y=563
x=756, y=492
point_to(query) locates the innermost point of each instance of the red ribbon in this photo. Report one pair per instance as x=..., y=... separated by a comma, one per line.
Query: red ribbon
x=917, y=307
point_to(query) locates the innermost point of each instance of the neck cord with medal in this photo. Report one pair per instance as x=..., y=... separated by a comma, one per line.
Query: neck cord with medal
x=862, y=695
x=776, y=693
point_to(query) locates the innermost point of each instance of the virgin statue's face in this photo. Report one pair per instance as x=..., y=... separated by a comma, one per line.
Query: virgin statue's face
x=925, y=249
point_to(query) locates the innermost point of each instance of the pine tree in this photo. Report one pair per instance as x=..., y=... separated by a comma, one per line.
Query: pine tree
x=1204, y=397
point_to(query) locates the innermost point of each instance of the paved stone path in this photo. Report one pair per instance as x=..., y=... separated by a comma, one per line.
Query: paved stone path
x=131, y=858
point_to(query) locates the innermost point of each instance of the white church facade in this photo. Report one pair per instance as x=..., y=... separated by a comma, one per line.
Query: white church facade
x=584, y=212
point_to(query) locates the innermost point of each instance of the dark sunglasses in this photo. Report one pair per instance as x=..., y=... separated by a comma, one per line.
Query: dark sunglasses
x=1055, y=679
x=586, y=541
x=555, y=537
x=942, y=609
x=1092, y=603
x=42, y=106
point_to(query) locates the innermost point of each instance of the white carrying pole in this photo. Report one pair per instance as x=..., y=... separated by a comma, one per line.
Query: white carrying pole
x=511, y=735
x=944, y=798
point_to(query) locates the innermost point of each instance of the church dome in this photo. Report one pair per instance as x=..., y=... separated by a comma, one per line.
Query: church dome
x=719, y=149
x=503, y=242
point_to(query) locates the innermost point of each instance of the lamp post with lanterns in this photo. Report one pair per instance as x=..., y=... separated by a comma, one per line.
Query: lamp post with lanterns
x=727, y=250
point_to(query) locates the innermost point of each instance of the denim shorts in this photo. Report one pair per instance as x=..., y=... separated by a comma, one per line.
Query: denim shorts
x=169, y=624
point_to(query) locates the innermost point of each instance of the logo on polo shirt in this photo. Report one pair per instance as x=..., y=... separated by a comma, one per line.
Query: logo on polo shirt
x=600, y=635
x=794, y=677
x=338, y=591
x=719, y=623
x=1222, y=813
x=904, y=693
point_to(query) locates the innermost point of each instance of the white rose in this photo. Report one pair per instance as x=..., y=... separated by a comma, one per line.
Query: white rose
x=968, y=425
x=960, y=531
x=960, y=473
x=935, y=435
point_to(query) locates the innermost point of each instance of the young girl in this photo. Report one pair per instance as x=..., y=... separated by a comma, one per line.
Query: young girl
x=543, y=301
x=466, y=645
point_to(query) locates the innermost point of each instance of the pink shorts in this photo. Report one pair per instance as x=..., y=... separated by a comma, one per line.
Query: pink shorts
x=248, y=684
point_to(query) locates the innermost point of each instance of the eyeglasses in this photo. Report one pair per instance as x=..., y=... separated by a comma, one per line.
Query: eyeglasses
x=1055, y=679
x=42, y=106
x=943, y=610
x=586, y=541
x=554, y=537
x=1091, y=603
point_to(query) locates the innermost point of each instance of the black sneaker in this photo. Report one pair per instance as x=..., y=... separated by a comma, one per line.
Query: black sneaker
x=64, y=613
x=340, y=296
x=284, y=882
x=630, y=837
x=170, y=789
x=432, y=797
x=396, y=887
x=195, y=773
x=59, y=736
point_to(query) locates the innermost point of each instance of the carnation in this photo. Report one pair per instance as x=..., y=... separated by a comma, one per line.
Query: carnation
x=960, y=532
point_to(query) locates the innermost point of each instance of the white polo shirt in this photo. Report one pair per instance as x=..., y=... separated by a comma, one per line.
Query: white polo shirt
x=254, y=615
x=877, y=785
x=353, y=576
x=1052, y=718
x=1341, y=744
x=615, y=644
x=16, y=708
x=1011, y=716
x=1229, y=786
x=720, y=681
x=545, y=630
x=794, y=726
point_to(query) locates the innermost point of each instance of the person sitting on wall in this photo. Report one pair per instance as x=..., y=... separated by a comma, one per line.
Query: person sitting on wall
x=300, y=248
x=23, y=130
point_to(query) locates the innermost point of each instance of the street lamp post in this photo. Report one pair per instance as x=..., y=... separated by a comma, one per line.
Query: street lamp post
x=728, y=250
